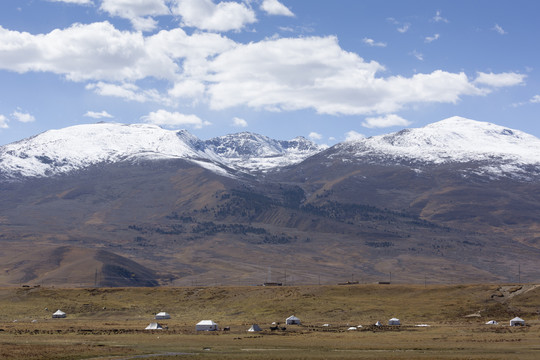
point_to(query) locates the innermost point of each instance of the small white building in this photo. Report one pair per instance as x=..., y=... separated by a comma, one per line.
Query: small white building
x=517, y=321
x=492, y=322
x=153, y=326
x=206, y=325
x=59, y=314
x=394, y=321
x=292, y=320
x=162, y=316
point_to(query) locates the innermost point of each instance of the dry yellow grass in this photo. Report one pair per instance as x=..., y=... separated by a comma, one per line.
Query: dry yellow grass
x=109, y=323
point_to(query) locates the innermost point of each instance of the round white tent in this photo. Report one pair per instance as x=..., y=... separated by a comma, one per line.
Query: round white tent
x=394, y=321
x=292, y=320
x=59, y=314
x=206, y=325
x=517, y=321
x=491, y=322
x=162, y=315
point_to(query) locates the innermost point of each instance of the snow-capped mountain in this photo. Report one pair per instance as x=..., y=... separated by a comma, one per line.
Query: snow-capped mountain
x=258, y=152
x=61, y=151
x=493, y=149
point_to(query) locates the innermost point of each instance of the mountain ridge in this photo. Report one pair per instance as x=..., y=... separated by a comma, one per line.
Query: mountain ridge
x=60, y=151
x=454, y=139
x=498, y=150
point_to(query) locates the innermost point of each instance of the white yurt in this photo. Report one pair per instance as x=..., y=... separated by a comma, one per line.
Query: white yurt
x=162, y=316
x=292, y=320
x=254, y=328
x=378, y=323
x=59, y=314
x=352, y=328
x=206, y=325
x=517, y=321
x=394, y=321
x=492, y=322
x=153, y=326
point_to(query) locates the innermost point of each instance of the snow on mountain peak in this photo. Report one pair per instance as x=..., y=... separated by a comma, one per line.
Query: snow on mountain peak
x=455, y=139
x=76, y=147
x=60, y=151
x=263, y=152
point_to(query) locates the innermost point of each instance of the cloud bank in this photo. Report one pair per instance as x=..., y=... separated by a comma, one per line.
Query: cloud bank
x=207, y=67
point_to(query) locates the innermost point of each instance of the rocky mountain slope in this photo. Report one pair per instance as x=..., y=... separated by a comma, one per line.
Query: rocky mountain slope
x=455, y=201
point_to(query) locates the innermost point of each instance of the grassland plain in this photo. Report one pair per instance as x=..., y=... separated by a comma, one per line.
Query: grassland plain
x=108, y=323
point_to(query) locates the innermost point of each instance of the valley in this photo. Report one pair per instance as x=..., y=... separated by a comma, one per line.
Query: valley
x=437, y=322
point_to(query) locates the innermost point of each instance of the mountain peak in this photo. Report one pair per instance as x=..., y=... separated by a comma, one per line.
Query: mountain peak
x=77, y=147
x=457, y=140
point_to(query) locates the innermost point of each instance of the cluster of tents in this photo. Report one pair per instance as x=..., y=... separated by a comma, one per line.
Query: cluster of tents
x=517, y=321
x=209, y=325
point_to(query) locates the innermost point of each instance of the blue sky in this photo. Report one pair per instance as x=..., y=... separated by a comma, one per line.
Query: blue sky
x=325, y=70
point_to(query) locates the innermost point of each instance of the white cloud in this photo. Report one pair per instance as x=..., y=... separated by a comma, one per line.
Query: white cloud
x=130, y=92
x=314, y=72
x=274, y=7
x=17, y=116
x=79, y=2
x=173, y=119
x=385, y=121
x=3, y=122
x=403, y=29
x=439, y=18
x=98, y=115
x=23, y=117
x=500, y=80
x=418, y=55
x=315, y=136
x=372, y=42
x=274, y=74
x=429, y=39
x=95, y=51
x=206, y=15
x=535, y=99
x=499, y=29
x=187, y=89
x=238, y=122
x=137, y=11
x=144, y=23
x=354, y=136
